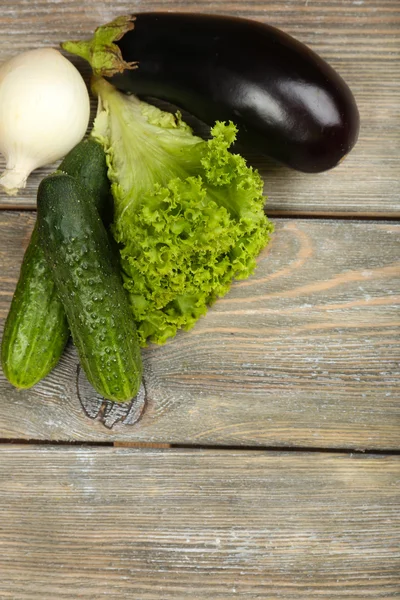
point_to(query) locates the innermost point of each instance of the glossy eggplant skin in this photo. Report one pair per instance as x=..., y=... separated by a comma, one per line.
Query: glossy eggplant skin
x=287, y=102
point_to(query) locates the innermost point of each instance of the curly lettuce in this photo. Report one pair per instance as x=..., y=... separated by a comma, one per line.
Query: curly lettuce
x=188, y=214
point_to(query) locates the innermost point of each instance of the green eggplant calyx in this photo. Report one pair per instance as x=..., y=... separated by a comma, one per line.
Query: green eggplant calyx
x=101, y=52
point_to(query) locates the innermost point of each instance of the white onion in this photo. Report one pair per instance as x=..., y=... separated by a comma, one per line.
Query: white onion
x=44, y=112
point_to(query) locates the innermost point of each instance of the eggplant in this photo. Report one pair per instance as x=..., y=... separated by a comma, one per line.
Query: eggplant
x=286, y=101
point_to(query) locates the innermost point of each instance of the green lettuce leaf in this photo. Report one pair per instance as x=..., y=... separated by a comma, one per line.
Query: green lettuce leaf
x=189, y=214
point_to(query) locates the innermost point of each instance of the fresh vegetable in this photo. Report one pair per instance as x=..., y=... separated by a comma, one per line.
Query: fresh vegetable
x=44, y=112
x=36, y=329
x=188, y=214
x=87, y=163
x=286, y=101
x=80, y=257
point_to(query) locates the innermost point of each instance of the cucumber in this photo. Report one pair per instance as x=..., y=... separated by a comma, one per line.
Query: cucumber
x=36, y=330
x=81, y=259
x=87, y=162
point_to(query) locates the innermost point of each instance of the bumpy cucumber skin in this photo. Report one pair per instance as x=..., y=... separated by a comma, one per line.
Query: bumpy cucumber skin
x=87, y=163
x=79, y=254
x=36, y=330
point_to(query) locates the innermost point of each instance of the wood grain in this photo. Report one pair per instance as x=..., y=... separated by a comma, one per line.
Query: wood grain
x=361, y=38
x=304, y=353
x=119, y=523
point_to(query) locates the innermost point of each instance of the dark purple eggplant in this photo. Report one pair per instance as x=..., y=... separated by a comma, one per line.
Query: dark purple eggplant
x=287, y=102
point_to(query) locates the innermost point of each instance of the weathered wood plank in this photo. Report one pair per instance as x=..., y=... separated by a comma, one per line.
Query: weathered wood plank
x=193, y=525
x=304, y=353
x=359, y=38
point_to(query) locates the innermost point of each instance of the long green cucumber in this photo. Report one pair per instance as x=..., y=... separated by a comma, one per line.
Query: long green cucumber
x=36, y=329
x=81, y=259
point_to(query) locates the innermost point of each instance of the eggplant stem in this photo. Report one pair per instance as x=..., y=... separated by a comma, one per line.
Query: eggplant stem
x=101, y=52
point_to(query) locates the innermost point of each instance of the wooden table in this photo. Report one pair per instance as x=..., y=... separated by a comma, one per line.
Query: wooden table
x=266, y=464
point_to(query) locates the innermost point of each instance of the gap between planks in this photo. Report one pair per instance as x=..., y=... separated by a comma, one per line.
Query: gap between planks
x=348, y=216
x=205, y=447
